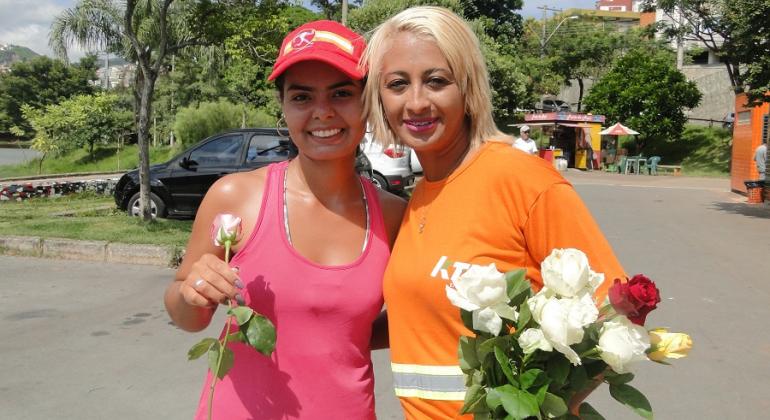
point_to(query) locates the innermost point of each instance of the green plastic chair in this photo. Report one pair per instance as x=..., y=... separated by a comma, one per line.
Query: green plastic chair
x=652, y=165
x=622, y=164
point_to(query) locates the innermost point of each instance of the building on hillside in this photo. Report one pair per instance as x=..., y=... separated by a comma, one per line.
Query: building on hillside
x=710, y=75
x=615, y=5
x=752, y=126
x=121, y=75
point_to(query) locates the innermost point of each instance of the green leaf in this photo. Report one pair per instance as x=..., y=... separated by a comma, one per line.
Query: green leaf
x=525, y=315
x=467, y=353
x=518, y=286
x=467, y=318
x=558, y=368
x=260, y=334
x=237, y=336
x=520, y=404
x=242, y=314
x=227, y=360
x=475, y=400
x=529, y=378
x=618, y=378
x=553, y=405
x=504, y=364
x=631, y=397
x=587, y=412
x=493, y=399
x=200, y=348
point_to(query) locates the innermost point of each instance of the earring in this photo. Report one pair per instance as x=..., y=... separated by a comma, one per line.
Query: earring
x=280, y=127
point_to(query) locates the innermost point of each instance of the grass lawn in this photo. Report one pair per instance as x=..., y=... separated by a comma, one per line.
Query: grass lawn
x=106, y=159
x=87, y=216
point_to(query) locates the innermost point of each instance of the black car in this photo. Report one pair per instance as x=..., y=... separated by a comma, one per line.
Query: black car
x=178, y=186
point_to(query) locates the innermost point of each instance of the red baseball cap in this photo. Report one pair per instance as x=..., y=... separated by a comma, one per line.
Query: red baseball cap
x=322, y=40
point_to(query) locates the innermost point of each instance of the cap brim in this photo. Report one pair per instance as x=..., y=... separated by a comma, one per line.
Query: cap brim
x=335, y=60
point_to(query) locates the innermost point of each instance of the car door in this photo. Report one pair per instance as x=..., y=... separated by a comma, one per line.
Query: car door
x=197, y=170
x=265, y=149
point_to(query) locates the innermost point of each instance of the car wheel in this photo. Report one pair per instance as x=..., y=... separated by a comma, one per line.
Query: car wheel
x=157, y=206
x=380, y=182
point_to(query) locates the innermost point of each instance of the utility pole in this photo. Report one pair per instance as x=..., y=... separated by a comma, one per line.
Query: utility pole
x=344, y=12
x=543, y=37
x=679, y=39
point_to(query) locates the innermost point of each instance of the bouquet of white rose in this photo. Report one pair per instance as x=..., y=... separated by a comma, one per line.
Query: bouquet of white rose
x=540, y=354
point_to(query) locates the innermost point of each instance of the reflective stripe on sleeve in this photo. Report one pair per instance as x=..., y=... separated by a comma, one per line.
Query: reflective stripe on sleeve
x=444, y=383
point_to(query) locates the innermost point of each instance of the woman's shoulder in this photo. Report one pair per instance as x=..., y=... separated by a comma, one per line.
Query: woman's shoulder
x=237, y=193
x=515, y=164
x=393, y=208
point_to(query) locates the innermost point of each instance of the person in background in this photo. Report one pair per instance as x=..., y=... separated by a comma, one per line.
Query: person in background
x=525, y=143
x=316, y=239
x=760, y=160
x=480, y=201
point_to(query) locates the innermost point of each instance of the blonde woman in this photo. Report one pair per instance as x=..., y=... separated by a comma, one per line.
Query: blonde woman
x=481, y=200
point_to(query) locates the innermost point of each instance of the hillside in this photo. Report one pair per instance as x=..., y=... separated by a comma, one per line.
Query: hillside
x=10, y=54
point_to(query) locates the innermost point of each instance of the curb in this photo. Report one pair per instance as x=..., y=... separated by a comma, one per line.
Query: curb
x=57, y=176
x=100, y=251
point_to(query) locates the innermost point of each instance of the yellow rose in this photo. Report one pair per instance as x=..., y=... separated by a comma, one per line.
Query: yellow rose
x=667, y=345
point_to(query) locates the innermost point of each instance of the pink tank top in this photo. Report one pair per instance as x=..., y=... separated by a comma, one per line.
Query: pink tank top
x=321, y=367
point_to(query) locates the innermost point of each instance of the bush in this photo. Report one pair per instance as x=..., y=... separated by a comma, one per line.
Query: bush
x=195, y=123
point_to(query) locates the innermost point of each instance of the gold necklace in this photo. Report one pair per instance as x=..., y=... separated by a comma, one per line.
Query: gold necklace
x=423, y=217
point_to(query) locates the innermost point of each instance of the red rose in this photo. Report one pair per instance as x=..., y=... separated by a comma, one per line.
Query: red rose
x=635, y=298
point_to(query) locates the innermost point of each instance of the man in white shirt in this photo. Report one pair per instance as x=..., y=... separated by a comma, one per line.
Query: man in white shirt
x=524, y=142
x=760, y=159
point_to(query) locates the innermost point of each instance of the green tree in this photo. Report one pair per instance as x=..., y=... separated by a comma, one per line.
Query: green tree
x=147, y=32
x=645, y=91
x=750, y=22
x=80, y=121
x=501, y=21
x=39, y=82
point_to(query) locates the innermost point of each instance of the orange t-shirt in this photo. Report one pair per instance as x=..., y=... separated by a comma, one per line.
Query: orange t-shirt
x=500, y=206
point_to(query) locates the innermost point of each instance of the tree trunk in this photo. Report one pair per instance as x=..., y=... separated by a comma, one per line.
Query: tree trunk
x=142, y=131
x=580, y=93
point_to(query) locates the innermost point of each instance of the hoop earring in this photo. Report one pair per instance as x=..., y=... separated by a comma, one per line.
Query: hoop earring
x=280, y=127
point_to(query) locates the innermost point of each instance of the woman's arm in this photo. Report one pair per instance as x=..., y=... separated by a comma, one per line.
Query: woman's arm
x=204, y=280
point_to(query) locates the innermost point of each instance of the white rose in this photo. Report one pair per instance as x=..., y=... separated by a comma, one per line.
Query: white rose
x=483, y=290
x=565, y=271
x=563, y=319
x=533, y=339
x=623, y=343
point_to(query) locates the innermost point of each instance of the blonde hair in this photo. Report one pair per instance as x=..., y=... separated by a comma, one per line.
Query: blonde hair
x=461, y=48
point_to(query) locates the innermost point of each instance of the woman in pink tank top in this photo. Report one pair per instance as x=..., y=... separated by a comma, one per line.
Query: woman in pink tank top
x=317, y=239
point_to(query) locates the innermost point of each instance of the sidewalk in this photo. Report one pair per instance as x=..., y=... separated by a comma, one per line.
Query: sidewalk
x=102, y=251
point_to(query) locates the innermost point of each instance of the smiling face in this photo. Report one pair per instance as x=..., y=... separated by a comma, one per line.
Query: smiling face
x=322, y=107
x=420, y=95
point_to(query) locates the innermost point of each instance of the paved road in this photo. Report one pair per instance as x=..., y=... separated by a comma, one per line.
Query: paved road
x=91, y=341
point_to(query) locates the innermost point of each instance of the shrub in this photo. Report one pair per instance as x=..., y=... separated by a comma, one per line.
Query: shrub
x=196, y=122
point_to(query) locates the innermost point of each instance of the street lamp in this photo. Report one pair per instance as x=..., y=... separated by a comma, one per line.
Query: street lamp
x=544, y=40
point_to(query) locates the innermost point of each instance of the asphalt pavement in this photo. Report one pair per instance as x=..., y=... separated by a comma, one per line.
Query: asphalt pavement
x=84, y=340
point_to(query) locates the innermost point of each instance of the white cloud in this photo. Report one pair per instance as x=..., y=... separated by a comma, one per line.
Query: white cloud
x=27, y=23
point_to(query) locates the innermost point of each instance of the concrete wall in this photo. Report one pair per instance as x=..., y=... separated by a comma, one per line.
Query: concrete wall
x=718, y=99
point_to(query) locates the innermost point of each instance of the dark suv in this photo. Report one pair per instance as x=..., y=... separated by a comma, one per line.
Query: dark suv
x=178, y=186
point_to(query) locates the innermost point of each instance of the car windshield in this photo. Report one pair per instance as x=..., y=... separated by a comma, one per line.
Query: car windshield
x=222, y=151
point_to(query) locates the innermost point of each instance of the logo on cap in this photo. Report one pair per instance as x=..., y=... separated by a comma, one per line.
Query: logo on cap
x=303, y=39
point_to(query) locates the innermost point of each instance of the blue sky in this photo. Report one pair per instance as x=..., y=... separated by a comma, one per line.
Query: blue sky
x=27, y=22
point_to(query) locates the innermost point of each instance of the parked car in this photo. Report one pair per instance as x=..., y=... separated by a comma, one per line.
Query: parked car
x=177, y=187
x=391, y=166
x=554, y=105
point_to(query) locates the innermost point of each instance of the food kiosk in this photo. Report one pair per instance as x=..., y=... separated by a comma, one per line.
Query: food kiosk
x=571, y=136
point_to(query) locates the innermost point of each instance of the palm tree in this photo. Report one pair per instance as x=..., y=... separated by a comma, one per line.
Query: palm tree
x=143, y=31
